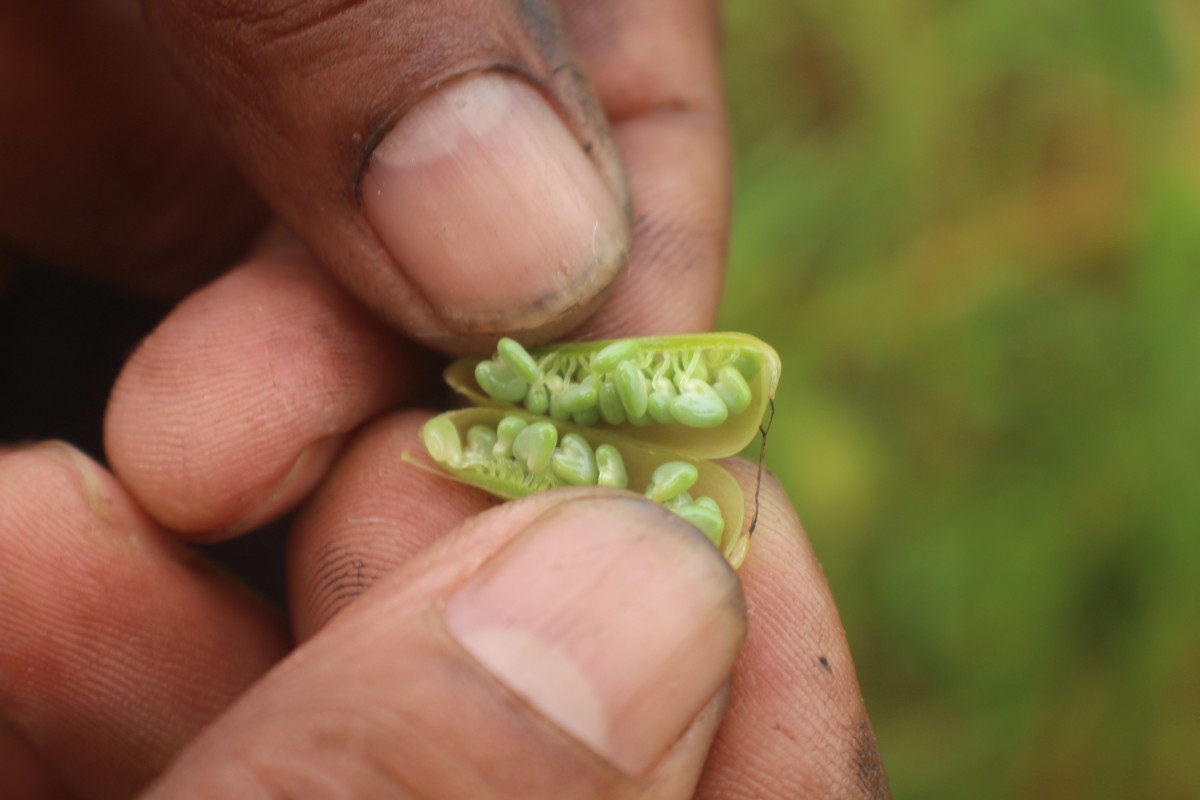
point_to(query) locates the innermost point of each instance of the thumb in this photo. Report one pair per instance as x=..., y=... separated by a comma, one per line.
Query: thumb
x=550, y=648
x=447, y=160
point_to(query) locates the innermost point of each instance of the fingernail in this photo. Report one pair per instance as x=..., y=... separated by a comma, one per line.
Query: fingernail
x=98, y=488
x=306, y=471
x=491, y=207
x=612, y=618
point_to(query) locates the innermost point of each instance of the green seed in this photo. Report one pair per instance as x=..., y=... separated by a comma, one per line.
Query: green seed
x=537, y=400
x=733, y=389
x=441, y=440
x=575, y=462
x=609, y=403
x=556, y=409
x=535, y=446
x=506, y=433
x=481, y=441
x=579, y=396
x=678, y=501
x=500, y=382
x=518, y=359
x=706, y=516
x=631, y=388
x=611, y=467
x=662, y=384
x=696, y=370
x=700, y=406
x=612, y=355
x=659, y=406
x=588, y=417
x=670, y=479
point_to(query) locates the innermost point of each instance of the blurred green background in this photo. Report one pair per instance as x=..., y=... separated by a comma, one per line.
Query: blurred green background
x=972, y=230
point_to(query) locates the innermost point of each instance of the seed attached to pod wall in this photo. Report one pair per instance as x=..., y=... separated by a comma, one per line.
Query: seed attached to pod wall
x=703, y=394
x=532, y=454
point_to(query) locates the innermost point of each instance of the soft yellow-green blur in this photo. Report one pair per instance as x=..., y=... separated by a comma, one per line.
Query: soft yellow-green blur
x=972, y=230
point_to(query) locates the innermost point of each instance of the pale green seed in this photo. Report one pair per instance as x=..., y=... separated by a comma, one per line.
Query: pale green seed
x=700, y=406
x=670, y=479
x=500, y=382
x=609, y=403
x=587, y=417
x=696, y=370
x=579, y=396
x=506, y=433
x=535, y=445
x=747, y=363
x=537, y=400
x=678, y=501
x=441, y=440
x=481, y=440
x=706, y=516
x=518, y=358
x=611, y=467
x=663, y=385
x=733, y=389
x=556, y=409
x=575, y=462
x=631, y=388
x=612, y=355
x=659, y=406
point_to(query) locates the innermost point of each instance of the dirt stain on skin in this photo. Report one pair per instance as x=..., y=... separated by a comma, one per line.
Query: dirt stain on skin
x=869, y=774
x=785, y=731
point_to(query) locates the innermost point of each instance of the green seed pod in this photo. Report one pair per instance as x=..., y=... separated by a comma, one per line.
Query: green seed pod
x=500, y=382
x=631, y=364
x=618, y=463
x=518, y=360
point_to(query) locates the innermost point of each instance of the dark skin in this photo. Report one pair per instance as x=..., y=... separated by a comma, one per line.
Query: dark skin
x=311, y=291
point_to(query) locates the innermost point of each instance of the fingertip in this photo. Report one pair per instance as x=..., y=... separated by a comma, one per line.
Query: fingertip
x=234, y=407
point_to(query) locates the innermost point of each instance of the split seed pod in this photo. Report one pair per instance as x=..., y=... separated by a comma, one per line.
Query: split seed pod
x=512, y=454
x=642, y=414
x=702, y=394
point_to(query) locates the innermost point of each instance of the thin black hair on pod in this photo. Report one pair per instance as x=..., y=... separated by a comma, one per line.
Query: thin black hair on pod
x=762, y=457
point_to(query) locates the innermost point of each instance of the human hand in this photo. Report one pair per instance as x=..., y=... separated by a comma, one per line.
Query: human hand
x=457, y=165
x=241, y=402
x=578, y=643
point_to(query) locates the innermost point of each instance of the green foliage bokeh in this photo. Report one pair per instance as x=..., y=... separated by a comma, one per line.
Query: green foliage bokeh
x=972, y=230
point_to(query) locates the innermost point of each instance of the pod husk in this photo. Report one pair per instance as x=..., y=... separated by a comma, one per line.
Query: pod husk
x=725, y=440
x=640, y=461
